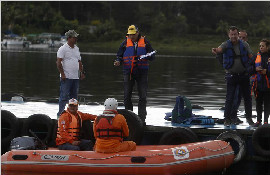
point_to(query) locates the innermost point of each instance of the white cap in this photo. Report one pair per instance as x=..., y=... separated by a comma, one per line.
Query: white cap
x=73, y=101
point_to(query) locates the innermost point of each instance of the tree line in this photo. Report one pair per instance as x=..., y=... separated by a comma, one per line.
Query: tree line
x=108, y=20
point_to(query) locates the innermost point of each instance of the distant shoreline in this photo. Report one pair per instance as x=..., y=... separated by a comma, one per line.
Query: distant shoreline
x=193, y=45
x=190, y=45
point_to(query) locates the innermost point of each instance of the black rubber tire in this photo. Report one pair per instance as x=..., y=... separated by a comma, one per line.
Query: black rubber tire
x=261, y=140
x=194, y=135
x=9, y=129
x=87, y=130
x=236, y=141
x=178, y=136
x=41, y=125
x=51, y=142
x=8, y=97
x=135, y=125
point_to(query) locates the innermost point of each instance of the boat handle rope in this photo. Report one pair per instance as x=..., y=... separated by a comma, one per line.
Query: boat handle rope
x=149, y=156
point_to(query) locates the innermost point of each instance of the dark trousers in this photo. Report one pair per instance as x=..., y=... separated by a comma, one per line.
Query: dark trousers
x=85, y=145
x=263, y=99
x=244, y=86
x=236, y=102
x=141, y=80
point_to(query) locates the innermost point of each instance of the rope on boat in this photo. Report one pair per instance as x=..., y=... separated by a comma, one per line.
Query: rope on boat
x=149, y=156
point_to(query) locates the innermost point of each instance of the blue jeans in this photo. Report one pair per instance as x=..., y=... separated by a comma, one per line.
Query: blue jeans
x=141, y=78
x=85, y=145
x=69, y=88
x=233, y=81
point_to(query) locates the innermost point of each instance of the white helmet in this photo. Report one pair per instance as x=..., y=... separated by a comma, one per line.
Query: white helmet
x=111, y=104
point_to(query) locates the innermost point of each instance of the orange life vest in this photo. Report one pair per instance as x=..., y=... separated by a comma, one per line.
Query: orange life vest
x=131, y=53
x=258, y=76
x=74, y=127
x=104, y=128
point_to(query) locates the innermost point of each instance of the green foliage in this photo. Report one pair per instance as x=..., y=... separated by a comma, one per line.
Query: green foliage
x=158, y=20
x=264, y=27
x=222, y=27
x=18, y=29
x=107, y=31
x=85, y=36
x=260, y=29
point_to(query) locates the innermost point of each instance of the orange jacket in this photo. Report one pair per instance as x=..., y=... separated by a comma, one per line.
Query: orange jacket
x=69, y=126
x=118, y=122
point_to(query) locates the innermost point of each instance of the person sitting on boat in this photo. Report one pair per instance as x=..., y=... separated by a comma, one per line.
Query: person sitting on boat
x=109, y=130
x=69, y=124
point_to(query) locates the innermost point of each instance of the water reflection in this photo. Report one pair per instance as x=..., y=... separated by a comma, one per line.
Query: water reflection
x=33, y=73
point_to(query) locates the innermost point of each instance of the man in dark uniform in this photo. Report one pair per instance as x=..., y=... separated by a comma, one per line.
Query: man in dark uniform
x=134, y=68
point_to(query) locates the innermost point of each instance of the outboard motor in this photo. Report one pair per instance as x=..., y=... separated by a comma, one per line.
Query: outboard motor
x=26, y=143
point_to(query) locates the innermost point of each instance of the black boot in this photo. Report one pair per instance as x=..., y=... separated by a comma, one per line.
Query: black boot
x=250, y=121
x=143, y=119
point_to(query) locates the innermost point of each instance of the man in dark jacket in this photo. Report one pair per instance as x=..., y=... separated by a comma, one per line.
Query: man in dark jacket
x=135, y=69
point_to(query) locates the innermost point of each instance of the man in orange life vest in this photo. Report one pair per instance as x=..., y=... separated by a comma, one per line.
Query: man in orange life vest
x=135, y=69
x=109, y=130
x=69, y=125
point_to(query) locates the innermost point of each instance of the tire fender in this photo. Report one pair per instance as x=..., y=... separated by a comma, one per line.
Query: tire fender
x=41, y=125
x=260, y=140
x=178, y=136
x=87, y=130
x=9, y=129
x=135, y=125
x=8, y=96
x=51, y=142
x=236, y=141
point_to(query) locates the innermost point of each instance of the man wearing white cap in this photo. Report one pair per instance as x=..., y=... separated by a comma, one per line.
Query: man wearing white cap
x=135, y=69
x=69, y=129
x=71, y=70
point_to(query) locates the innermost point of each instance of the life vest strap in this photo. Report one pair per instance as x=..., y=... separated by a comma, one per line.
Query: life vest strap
x=108, y=133
x=113, y=130
x=267, y=81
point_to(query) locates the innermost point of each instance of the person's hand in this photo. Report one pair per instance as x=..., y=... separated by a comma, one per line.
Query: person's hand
x=214, y=51
x=116, y=63
x=259, y=68
x=263, y=71
x=82, y=76
x=268, y=60
x=76, y=143
x=63, y=77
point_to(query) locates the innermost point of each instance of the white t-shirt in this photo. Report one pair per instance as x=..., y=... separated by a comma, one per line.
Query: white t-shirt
x=71, y=57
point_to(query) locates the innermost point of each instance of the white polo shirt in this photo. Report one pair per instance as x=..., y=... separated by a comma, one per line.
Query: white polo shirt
x=71, y=57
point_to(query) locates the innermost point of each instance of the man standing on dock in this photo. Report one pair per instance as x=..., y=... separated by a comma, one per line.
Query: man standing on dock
x=135, y=68
x=238, y=94
x=237, y=57
x=71, y=70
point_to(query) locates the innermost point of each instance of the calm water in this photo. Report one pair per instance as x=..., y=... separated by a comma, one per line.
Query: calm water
x=33, y=74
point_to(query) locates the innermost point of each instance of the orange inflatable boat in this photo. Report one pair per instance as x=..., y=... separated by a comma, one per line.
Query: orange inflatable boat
x=188, y=158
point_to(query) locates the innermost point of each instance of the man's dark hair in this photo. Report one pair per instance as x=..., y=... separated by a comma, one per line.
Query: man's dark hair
x=232, y=28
